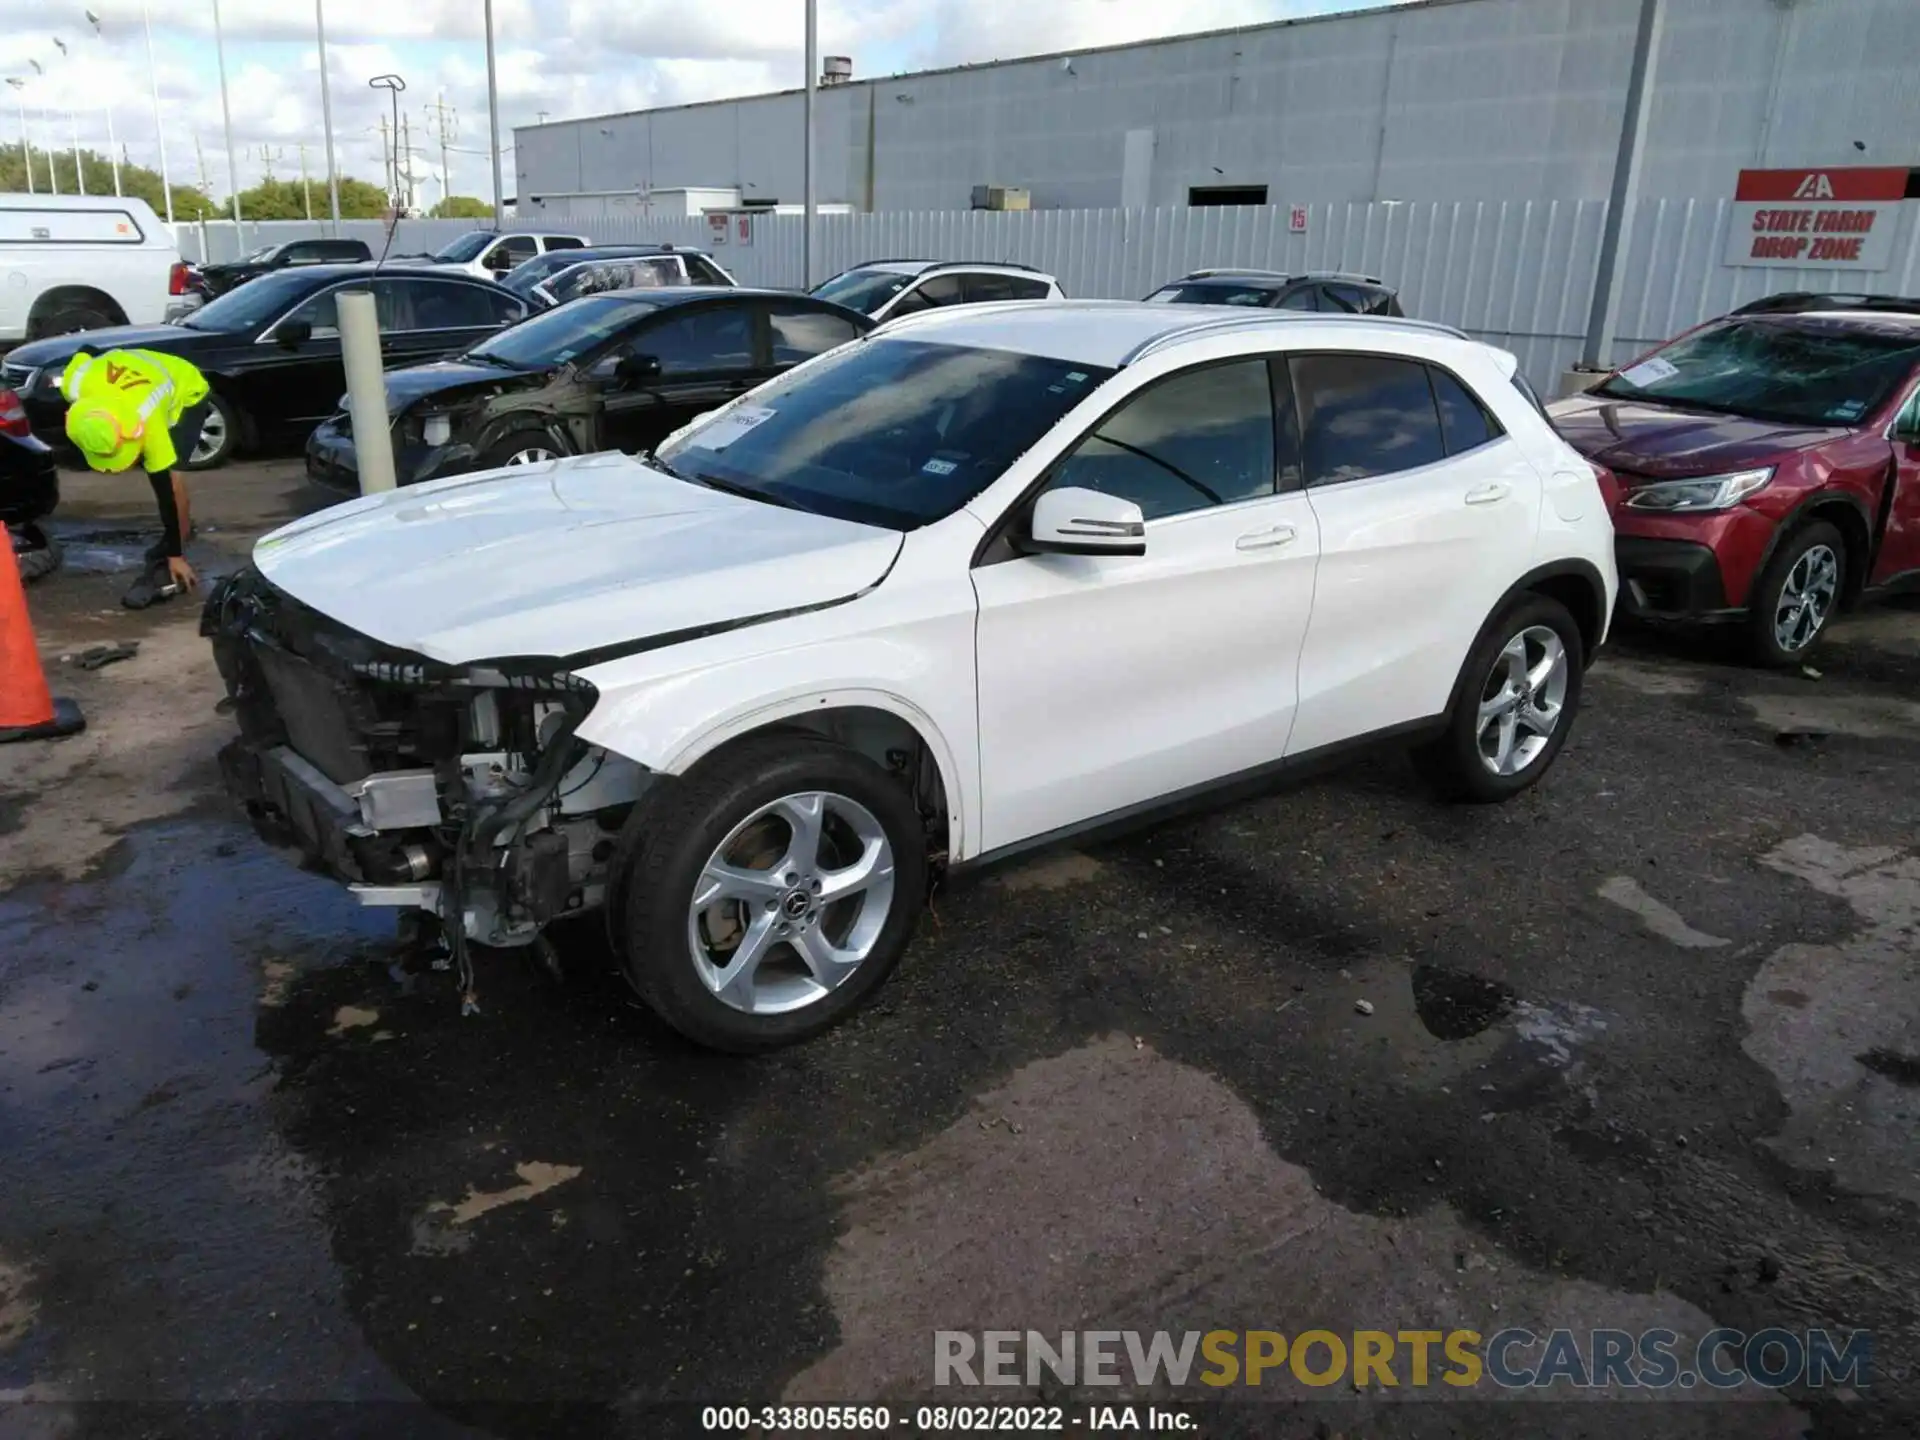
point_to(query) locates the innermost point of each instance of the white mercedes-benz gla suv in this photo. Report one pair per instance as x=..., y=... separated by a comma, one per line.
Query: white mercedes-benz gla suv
x=986, y=579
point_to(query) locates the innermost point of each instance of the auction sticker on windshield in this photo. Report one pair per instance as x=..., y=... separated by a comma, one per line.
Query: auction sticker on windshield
x=728, y=428
x=1649, y=372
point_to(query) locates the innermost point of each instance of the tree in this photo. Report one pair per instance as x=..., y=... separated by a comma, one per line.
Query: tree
x=287, y=200
x=188, y=203
x=461, y=207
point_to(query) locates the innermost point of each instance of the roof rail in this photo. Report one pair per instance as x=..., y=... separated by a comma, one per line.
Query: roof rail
x=970, y=264
x=1342, y=275
x=1221, y=270
x=1261, y=318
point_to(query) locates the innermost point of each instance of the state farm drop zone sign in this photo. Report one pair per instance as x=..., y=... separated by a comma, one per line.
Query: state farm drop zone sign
x=1839, y=219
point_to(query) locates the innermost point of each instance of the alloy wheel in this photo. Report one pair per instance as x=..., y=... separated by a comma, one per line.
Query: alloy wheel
x=791, y=903
x=532, y=455
x=213, y=437
x=1806, y=599
x=1522, y=701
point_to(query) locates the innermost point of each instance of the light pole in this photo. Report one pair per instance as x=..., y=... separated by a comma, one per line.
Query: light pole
x=159, y=130
x=393, y=85
x=813, y=71
x=46, y=129
x=226, y=116
x=113, y=143
x=493, y=124
x=326, y=114
x=26, y=140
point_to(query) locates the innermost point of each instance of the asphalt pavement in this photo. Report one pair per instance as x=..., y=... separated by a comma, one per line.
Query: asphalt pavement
x=1640, y=1050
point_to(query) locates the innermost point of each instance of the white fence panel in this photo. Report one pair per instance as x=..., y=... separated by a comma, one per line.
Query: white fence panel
x=1517, y=273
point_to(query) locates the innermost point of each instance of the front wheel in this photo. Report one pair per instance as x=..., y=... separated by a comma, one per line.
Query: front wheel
x=1796, y=595
x=522, y=447
x=770, y=892
x=1515, y=704
x=219, y=435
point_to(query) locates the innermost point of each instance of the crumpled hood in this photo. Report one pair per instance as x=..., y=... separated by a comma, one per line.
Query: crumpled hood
x=417, y=382
x=1654, y=441
x=574, y=555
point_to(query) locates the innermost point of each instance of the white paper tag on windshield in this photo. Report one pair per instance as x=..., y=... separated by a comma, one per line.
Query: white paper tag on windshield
x=731, y=426
x=1649, y=372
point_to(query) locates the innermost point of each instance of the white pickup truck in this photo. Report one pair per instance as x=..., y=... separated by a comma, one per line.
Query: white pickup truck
x=82, y=262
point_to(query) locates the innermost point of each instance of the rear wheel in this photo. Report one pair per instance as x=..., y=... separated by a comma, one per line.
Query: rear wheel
x=1797, y=594
x=70, y=317
x=770, y=892
x=219, y=435
x=1516, y=701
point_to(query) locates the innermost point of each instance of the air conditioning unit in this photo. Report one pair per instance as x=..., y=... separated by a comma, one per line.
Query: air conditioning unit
x=1001, y=197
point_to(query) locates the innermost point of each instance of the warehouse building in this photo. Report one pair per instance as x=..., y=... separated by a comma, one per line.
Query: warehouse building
x=1439, y=100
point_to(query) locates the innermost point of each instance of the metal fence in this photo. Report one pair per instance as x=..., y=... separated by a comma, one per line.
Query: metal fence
x=1516, y=273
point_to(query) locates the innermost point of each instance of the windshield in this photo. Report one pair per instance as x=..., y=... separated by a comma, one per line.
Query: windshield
x=1796, y=372
x=563, y=334
x=1212, y=295
x=863, y=290
x=891, y=432
x=529, y=273
x=467, y=247
x=265, y=252
x=254, y=303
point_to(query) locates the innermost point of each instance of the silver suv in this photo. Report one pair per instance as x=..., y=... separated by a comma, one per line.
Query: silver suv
x=885, y=289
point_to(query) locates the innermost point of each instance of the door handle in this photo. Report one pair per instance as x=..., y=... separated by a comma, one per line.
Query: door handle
x=1266, y=539
x=1487, y=494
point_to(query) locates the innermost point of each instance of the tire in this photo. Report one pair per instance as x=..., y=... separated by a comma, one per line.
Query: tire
x=1492, y=746
x=70, y=319
x=1797, y=594
x=220, y=436
x=519, y=447
x=733, y=807
x=42, y=556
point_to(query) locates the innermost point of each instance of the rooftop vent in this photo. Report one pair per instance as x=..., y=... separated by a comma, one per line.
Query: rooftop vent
x=836, y=69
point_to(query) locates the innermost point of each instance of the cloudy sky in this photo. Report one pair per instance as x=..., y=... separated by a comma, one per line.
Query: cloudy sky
x=560, y=58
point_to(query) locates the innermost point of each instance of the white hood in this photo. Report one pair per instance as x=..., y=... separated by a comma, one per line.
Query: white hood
x=559, y=558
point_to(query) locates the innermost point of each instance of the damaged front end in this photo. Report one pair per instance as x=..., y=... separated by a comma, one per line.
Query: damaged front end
x=458, y=790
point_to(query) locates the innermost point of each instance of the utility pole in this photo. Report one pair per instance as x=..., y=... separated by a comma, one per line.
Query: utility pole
x=326, y=116
x=306, y=191
x=267, y=156
x=26, y=140
x=226, y=118
x=406, y=149
x=159, y=130
x=813, y=76
x=386, y=161
x=445, y=127
x=493, y=124
x=79, y=165
x=1618, y=234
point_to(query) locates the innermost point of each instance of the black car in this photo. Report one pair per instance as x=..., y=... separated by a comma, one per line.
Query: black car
x=271, y=349
x=1328, y=291
x=223, y=276
x=616, y=371
x=680, y=266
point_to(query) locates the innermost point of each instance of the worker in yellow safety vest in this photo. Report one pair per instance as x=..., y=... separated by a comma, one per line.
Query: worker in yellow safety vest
x=128, y=406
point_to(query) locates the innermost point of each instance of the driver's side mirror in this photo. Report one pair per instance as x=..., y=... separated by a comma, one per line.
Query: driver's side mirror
x=1072, y=521
x=292, y=334
x=636, y=369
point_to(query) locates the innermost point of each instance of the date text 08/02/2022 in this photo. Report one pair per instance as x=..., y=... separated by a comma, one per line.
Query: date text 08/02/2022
x=943, y=1419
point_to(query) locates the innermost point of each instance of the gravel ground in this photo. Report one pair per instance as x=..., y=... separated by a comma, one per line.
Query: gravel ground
x=1639, y=1050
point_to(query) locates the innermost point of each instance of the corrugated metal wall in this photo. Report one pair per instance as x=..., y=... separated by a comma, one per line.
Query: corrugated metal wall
x=1516, y=273
x=1474, y=100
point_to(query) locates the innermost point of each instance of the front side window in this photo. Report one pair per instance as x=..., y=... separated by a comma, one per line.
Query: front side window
x=437, y=305
x=1788, y=369
x=1364, y=415
x=1197, y=439
x=464, y=248
x=799, y=335
x=1212, y=293
x=701, y=342
x=941, y=290
x=1305, y=298
x=514, y=250
x=563, y=242
x=258, y=302
x=704, y=272
x=323, y=314
x=985, y=287
x=888, y=432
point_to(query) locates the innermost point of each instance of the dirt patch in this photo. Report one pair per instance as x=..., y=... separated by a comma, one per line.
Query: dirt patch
x=352, y=1017
x=1865, y=717
x=1054, y=873
x=17, y=1309
x=1661, y=919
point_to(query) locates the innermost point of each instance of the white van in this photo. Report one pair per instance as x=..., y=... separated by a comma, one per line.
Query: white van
x=81, y=262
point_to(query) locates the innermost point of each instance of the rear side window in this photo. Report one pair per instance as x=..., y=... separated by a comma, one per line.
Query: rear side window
x=1194, y=440
x=1301, y=299
x=1525, y=387
x=1464, y=421
x=983, y=287
x=802, y=334
x=1364, y=415
x=712, y=341
x=1349, y=298
x=941, y=290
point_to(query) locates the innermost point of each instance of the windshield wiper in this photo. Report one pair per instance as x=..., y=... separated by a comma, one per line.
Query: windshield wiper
x=493, y=360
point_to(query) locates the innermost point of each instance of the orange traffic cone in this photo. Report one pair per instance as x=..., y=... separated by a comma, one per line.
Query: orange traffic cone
x=27, y=710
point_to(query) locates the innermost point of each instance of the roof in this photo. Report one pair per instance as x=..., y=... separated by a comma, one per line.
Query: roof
x=1110, y=333
x=921, y=267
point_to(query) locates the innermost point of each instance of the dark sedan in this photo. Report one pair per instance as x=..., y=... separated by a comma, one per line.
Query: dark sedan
x=226, y=274
x=271, y=349
x=618, y=371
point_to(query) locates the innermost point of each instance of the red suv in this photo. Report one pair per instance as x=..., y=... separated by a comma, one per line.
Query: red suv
x=1769, y=470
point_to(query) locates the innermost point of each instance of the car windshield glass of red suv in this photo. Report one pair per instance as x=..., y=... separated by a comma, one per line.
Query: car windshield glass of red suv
x=1800, y=371
x=895, y=433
